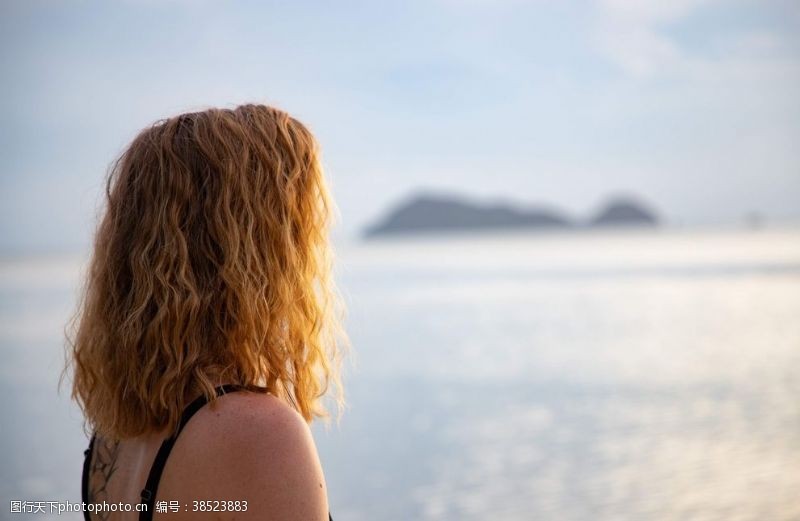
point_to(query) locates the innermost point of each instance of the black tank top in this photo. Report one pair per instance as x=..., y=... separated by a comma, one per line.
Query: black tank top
x=148, y=496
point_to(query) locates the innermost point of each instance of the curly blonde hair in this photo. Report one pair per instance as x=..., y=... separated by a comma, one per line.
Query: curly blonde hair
x=211, y=264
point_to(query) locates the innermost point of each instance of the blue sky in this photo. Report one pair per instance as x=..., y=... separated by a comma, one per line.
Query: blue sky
x=690, y=104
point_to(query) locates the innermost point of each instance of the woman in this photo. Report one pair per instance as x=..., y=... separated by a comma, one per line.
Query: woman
x=209, y=283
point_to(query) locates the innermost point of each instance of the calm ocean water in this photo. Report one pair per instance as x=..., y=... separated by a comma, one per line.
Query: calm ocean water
x=605, y=376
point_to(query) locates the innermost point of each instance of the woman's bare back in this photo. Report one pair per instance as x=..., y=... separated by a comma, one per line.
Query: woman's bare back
x=249, y=448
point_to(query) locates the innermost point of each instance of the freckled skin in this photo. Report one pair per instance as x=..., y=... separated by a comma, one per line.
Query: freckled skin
x=244, y=447
x=249, y=447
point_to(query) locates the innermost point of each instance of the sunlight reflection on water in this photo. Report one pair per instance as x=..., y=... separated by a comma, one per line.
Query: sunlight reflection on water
x=610, y=376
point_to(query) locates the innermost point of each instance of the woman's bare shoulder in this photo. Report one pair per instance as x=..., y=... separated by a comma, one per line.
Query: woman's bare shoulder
x=243, y=415
x=253, y=447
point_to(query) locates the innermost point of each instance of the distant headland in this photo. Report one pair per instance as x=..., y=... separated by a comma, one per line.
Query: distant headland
x=441, y=213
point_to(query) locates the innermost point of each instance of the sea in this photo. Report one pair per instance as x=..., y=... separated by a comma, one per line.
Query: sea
x=620, y=374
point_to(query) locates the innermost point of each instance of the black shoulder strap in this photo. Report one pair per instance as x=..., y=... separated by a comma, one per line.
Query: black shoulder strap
x=151, y=487
x=87, y=467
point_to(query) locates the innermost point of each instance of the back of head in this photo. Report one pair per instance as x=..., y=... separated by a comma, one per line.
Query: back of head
x=211, y=264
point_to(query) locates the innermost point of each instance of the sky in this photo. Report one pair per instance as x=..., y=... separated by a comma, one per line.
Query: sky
x=690, y=105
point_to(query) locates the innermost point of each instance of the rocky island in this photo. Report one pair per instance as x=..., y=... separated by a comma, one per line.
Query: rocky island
x=624, y=212
x=427, y=212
